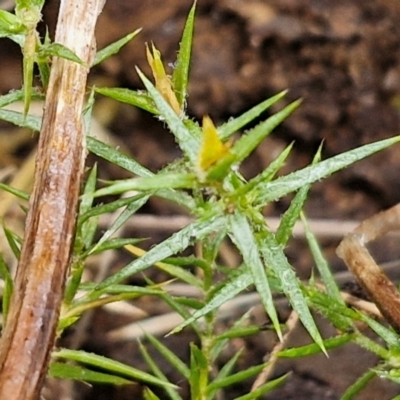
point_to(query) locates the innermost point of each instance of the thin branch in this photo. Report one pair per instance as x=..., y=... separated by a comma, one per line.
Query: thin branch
x=359, y=261
x=30, y=330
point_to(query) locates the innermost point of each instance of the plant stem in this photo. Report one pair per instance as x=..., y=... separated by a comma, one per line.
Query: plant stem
x=29, y=333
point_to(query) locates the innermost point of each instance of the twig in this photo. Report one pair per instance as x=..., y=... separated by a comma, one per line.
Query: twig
x=353, y=251
x=265, y=374
x=29, y=334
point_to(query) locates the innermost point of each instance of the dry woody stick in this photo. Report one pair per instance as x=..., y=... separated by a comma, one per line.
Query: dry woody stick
x=29, y=333
x=371, y=277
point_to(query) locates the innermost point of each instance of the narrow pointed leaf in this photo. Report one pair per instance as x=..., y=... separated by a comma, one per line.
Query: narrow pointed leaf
x=390, y=337
x=267, y=387
x=282, y=186
x=275, y=258
x=123, y=161
x=78, y=373
x=108, y=365
x=116, y=243
x=13, y=241
x=310, y=349
x=173, y=395
x=249, y=141
x=8, y=287
x=18, y=95
x=16, y=192
x=243, y=237
x=173, y=245
x=188, y=143
x=321, y=263
x=149, y=395
x=234, y=125
x=131, y=209
x=173, y=180
x=133, y=97
x=17, y=118
x=359, y=385
x=267, y=174
x=176, y=272
x=228, y=291
x=170, y=356
x=235, y=378
x=181, y=71
x=113, y=48
x=59, y=50
x=292, y=214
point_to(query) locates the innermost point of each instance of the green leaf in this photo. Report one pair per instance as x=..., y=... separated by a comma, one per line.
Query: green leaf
x=359, y=385
x=188, y=143
x=181, y=71
x=113, y=244
x=123, y=161
x=235, y=378
x=78, y=373
x=35, y=5
x=198, y=372
x=149, y=395
x=226, y=371
x=18, y=95
x=266, y=175
x=109, y=365
x=59, y=50
x=115, y=157
x=275, y=258
x=240, y=281
x=292, y=214
x=310, y=349
x=109, y=207
x=267, y=387
x=136, y=203
x=322, y=265
x=14, y=241
x=173, y=245
x=158, y=373
x=8, y=288
x=87, y=230
x=10, y=24
x=173, y=180
x=113, y=48
x=232, y=126
x=335, y=311
x=248, y=142
x=243, y=237
x=273, y=191
x=135, y=98
x=239, y=331
x=178, y=272
x=390, y=337
x=16, y=192
x=44, y=64
x=17, y=118
x=170, y=356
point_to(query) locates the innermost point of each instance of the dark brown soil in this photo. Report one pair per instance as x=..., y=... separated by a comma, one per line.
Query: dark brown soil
x=342, y=57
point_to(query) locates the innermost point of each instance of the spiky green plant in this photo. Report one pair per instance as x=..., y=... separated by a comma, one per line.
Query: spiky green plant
x=207, y=182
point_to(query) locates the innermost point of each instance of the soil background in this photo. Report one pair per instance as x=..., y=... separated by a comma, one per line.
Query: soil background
x=341, y=57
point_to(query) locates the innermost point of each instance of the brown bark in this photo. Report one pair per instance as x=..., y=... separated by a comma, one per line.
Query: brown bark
x=30, y=330
x=356, y=256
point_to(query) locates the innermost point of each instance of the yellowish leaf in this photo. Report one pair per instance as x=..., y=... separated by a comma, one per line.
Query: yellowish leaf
x=212, y=148
x=162, y=81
